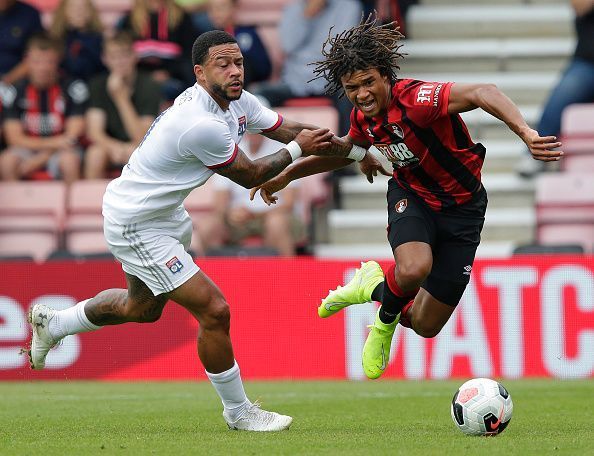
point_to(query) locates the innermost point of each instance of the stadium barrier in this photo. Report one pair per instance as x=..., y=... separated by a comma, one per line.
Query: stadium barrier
x=529, y=316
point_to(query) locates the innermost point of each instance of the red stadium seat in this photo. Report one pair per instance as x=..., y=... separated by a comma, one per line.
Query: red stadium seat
x=83, y=227
x=565, y=208
x=32, y=206
x=36, y=245
x=31, y=218
x=577, y=135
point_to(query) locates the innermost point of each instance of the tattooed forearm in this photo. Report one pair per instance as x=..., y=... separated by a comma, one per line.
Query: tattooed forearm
x=251, y=174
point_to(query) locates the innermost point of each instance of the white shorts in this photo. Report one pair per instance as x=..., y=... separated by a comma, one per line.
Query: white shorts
x=154, y=250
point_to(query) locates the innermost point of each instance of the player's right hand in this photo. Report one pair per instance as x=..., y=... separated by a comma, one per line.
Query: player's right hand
x=541, y=146
x=314, y=142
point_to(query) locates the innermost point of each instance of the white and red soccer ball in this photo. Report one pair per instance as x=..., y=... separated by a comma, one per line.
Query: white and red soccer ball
x=482, y=406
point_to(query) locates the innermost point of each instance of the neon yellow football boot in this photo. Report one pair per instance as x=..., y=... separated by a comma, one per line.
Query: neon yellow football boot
x=357, y=291
x=376, y=351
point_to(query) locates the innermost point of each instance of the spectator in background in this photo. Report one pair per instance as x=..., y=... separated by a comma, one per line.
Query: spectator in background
x=576, y=84
x=303, y=29
x=197, y=11
x=163, y=35
x=76, y=23
x=44, y=117
x=18, y=22
x=221, y=16
x=389, y=10
x=236, y=218
x=123, y=105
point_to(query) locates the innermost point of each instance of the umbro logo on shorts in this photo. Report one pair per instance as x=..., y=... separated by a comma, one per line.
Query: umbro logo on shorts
x=401, y=205
x=174, y=265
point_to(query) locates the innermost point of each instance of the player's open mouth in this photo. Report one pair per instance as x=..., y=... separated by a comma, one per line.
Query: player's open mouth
x=367, y=106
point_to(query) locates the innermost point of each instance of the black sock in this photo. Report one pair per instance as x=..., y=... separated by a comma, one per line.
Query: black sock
x=378, y=292
x=391, y=305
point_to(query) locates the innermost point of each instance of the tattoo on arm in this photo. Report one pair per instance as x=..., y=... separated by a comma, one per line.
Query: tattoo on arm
x=288, y=130
x=250, y=174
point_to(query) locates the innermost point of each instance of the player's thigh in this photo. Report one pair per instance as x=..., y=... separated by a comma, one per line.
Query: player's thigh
x=203, y=298
x=414, y=259
x=142, y=301
x=409, y=219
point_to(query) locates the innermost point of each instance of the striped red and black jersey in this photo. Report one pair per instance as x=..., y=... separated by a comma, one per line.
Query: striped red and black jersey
x=43, y=112
x=430, y=150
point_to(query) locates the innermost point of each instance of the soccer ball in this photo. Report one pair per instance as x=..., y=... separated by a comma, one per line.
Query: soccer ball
x=482, y=406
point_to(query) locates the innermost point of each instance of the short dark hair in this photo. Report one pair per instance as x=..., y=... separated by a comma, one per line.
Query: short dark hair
x=122, y=38
x=207, y=40
x=369, y=45
x=44, y=41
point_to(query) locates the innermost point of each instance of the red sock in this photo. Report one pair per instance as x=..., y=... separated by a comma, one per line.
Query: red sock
x=404, y=320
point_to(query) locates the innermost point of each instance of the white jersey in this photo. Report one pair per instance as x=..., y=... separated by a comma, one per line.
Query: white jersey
x=179, y=152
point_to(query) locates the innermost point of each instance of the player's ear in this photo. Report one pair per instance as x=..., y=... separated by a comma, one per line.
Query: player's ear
x=199, y=73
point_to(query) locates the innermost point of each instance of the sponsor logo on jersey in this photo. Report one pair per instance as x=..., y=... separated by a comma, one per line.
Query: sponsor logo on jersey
x=401, y=205
x=467, y=269
x=242, y=125
x=174, y=265
x=428, y=94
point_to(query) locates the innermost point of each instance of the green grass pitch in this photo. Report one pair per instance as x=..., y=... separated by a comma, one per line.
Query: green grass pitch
x=330, y=418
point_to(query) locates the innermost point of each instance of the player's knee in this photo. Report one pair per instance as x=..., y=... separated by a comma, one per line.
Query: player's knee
x=413, y=273
x=218, y=314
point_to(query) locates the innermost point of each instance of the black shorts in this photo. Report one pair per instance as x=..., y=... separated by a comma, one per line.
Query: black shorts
x=453, y=235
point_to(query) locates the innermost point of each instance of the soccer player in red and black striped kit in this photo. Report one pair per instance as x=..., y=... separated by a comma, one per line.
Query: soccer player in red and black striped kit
x=436, y=202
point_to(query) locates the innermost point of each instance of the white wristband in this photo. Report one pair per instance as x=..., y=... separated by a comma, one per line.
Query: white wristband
x=357, y=153
x=294, y=149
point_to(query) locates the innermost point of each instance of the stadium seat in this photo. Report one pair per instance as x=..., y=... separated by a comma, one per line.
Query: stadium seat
x=547, y=249
x=83, y=227
x=199, y=202
x=36, y=245
x=565, y=209
x=260, y=12
x=577, y=135
x=31, y=217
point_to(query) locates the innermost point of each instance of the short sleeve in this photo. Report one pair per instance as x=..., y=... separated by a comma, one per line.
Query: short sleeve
x=355, y=131
x=426, y=101
x=210, y=141
x=259, y=117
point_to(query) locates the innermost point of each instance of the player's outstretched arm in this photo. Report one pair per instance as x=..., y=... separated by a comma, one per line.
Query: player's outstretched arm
x=248, y=173
x=465, y=97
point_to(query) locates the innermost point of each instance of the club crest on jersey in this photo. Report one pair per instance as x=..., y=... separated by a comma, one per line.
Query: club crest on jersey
x=395, y=129
x=174, y=265
x=401, y=205
x=242, y=125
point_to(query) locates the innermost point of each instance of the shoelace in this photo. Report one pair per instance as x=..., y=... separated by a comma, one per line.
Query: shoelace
x=254, y=412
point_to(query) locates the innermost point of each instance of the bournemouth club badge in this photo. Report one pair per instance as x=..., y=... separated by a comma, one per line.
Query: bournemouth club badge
x=401, y=205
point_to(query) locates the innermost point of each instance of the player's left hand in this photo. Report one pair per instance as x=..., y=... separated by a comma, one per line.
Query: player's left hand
x=541, y=146
x=370, y=166
x=268, y=189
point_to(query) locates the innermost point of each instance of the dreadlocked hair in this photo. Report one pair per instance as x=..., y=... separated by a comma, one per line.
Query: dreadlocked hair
x=368, y=45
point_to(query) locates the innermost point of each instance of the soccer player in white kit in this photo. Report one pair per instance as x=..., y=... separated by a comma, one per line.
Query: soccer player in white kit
x=148, y=230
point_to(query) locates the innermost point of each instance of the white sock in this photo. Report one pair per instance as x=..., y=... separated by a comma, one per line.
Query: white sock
x=71, y=321
x=229, y=387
